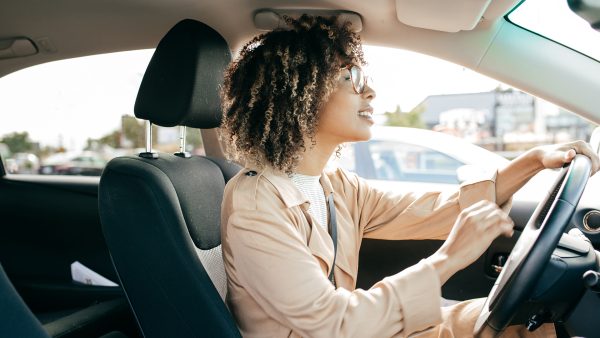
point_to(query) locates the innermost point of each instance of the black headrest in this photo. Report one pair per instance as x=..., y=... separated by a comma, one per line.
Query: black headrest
x=181, y=84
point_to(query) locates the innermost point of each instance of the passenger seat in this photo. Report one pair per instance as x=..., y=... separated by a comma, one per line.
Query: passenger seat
x=159, y=210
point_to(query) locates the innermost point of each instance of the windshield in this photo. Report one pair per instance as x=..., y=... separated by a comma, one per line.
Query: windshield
x=554, y=20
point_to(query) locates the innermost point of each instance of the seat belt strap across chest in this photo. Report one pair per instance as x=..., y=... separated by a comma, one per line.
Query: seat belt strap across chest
x=333, y=232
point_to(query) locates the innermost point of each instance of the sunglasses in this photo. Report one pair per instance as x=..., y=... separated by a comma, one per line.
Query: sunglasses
x=358, y=77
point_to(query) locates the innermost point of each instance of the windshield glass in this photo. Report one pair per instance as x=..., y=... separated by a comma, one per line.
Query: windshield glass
x=554, y=20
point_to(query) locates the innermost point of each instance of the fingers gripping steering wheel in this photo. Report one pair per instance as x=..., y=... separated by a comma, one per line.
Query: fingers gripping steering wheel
x=533, y=249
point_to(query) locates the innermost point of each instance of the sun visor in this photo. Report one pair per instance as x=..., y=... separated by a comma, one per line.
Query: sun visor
x=270, y=19
x=16, y=47
x=441, y=15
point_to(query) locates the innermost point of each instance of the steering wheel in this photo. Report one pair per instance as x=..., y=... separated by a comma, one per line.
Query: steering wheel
x=534, y=248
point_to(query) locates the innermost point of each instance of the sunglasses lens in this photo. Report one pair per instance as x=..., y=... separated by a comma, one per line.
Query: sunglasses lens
x=358, y=79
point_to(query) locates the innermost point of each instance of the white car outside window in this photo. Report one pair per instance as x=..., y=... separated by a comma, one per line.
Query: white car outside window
x=419, y=160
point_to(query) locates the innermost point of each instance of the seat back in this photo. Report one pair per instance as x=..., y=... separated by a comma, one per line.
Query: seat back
x=160, y=214
x=16, y=320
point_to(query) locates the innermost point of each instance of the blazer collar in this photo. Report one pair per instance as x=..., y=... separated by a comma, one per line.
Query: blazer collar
x=290, y=195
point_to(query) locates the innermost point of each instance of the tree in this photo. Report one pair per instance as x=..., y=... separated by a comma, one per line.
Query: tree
x=405, y=119
x=132, y=134
x=193, y=138
x=112, y=139
x=134, y=131
x=19, y=142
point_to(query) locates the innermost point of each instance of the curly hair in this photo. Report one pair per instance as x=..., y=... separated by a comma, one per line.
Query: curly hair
x=273, y=92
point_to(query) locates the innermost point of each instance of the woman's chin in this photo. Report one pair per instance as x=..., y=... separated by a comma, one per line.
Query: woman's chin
x=363, y=135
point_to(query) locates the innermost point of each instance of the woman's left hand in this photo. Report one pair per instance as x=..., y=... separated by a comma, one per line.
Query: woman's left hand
x=512, y=177
x=555, y=156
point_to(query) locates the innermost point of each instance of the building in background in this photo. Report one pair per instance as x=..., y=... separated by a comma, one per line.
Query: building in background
x=502, y=120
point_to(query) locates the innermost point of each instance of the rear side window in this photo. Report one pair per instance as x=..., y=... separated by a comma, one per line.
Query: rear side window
x=70, y=117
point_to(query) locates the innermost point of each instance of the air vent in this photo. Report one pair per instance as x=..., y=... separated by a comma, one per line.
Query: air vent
x=591, y=221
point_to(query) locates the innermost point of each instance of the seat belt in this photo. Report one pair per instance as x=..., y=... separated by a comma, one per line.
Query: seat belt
x=333, y=232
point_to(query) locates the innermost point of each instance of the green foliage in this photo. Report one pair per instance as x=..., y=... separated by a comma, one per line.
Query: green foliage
x=48, y=150
x=193, y=138
x=113, y=139
x=19, y=142
x=132, y=134
x=134, y=131
x=399, y=118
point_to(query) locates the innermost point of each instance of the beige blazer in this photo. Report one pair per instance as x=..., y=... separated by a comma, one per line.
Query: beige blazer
x=277, y=257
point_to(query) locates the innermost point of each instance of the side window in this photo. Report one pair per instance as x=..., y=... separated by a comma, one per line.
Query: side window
x=70, y=117
x=394, y=161
x=489, y=122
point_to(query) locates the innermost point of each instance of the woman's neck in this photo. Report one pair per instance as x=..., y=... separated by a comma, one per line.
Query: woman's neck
x=315, y=159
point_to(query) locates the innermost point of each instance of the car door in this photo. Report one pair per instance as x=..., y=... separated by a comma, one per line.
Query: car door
x=51, y=242
x=48, y=223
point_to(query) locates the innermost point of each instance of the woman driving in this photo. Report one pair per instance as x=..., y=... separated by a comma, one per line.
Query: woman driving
x=292, y=231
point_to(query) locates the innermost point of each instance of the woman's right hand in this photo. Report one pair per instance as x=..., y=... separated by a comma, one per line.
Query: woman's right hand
x=475, y=229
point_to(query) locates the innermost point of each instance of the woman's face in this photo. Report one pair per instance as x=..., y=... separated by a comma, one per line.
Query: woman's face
x=346, y=116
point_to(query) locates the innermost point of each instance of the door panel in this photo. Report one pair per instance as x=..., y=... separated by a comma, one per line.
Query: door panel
x=47, y=223
x=381, y=258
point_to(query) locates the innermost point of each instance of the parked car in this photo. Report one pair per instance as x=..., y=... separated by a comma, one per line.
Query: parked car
x=412, y=159
x=86, y=163
x=11, y=166
x=23, y=163
x=418, y=155
x=49, y=222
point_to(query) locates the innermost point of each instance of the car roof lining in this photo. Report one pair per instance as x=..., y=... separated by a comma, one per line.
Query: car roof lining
x=139, y=24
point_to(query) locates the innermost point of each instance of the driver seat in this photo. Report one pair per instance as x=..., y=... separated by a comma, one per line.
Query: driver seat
x=160, y=213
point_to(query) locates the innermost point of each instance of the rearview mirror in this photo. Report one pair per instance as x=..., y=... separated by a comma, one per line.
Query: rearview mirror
x=589, y=10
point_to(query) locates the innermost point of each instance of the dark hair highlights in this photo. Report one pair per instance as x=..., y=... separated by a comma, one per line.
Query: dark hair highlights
x=274, y=90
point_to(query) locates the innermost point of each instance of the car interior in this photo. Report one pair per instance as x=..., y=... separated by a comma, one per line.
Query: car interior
x=151, y=222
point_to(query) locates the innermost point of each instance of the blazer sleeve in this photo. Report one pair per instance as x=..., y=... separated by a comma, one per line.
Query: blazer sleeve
x=409, y=215
x=275, y=265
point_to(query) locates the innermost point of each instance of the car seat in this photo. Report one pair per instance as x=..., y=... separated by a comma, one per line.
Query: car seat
x=17, y=320
x=160, y=213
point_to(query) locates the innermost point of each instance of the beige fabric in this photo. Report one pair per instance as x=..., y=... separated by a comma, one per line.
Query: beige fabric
x=277, y=262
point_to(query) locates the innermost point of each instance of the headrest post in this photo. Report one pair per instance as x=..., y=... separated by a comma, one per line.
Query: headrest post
x=182, y=131
x=148, y=153
x=148, y=136
x=182, y=152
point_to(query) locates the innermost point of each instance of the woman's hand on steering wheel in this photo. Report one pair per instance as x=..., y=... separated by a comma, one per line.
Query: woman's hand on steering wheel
x=556, y=155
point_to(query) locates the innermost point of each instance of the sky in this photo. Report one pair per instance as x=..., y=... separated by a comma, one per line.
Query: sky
x=68, y=101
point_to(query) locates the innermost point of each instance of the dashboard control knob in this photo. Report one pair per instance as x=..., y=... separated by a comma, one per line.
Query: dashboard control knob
x=591, y=280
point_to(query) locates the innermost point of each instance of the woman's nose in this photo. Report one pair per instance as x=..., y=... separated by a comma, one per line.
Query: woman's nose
x=369, y=92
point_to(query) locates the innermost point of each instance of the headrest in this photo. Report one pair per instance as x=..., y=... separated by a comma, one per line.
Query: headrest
x=182, y=82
